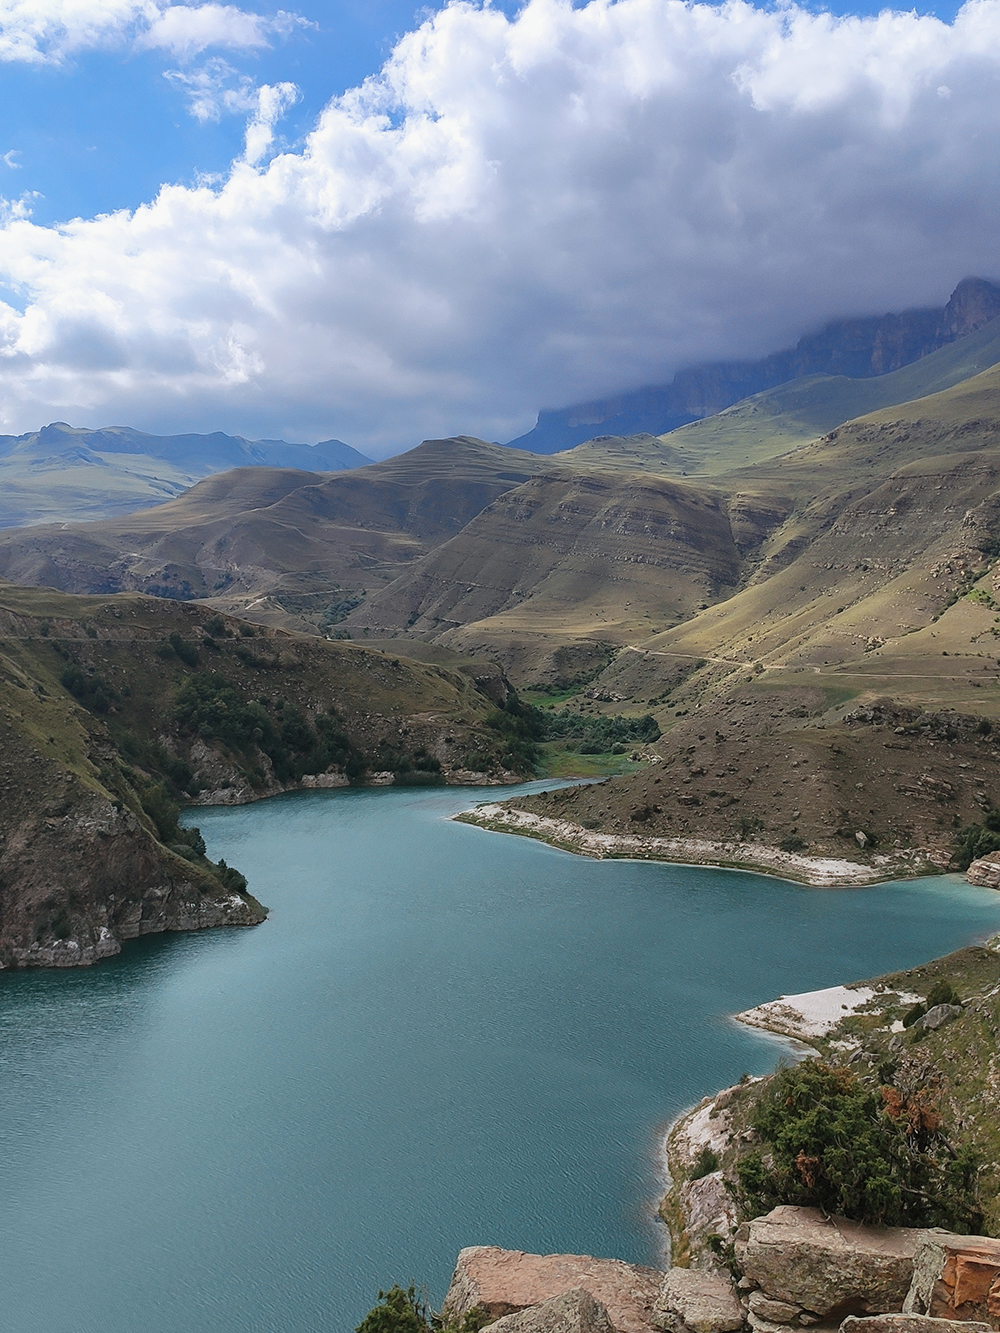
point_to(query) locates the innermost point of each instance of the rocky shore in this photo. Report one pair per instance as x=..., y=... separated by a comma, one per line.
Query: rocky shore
x=793, y=1268
x=797, y=1269
x=822, y=871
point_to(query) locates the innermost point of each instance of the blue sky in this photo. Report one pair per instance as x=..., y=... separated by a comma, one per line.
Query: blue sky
x=104, y=129
x=207, y=223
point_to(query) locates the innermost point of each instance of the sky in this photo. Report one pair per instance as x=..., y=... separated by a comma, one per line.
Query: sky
x=382, y=222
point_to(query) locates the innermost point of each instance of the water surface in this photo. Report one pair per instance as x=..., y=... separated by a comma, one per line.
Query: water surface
x=441, y=1037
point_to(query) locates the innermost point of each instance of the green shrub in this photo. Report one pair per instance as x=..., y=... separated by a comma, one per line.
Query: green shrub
x=229, y=876
x=911, y=1015
x=187, y=652
x=942, y=992
x=705, y=1163
x=601, y=732
x=977, y=840
x=398, y=1311
x=874, y=1155
x=793, y=843
x=182, y=849
x=214, y=708
x=340, y=610
x=162, y=811
x=94, y=693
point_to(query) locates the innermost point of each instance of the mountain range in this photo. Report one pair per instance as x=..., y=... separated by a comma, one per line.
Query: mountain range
x=554, y=565
x=823, y=552
x=857, y=348
x=62, y=473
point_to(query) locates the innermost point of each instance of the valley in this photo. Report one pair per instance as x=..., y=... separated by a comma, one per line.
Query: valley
x=115, y=712
x=813, y=635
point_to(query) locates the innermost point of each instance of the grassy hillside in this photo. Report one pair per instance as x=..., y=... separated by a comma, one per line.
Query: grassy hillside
x=881, y=582
x=117, y=711
x=567, y=559
x=946, y=1076
x=282, y=546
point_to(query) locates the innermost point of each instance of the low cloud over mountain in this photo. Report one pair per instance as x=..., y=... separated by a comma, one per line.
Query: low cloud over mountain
x=524, y=213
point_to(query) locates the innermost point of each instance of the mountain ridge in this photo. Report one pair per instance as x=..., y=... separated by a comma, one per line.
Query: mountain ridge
x=863, y=347
x=62, y=472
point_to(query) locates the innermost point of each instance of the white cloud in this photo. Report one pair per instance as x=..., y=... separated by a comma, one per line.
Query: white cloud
x=47, y=31
x=215, y=89
x=524, y=213
x=272, y=103
x=186, y=30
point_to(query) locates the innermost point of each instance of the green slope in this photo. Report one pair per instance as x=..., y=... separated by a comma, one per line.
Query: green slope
x=771, y=423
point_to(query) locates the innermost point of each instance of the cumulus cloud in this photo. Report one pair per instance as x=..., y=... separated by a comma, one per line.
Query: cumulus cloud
x=525, y=212
x=272, y=101
x=185, y=30
x=215, y=89
x=47, y=31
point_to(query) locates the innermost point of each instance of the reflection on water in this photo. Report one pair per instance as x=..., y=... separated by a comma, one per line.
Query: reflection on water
x=441, y=1037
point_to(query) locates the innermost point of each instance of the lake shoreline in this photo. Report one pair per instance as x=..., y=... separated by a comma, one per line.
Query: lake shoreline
x=758, y=858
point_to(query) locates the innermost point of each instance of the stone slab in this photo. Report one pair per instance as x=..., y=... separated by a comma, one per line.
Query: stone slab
x=502, y=1282
x=956, y=1277
x=699, y=1301
x=827, y=1265
x=574, y=1311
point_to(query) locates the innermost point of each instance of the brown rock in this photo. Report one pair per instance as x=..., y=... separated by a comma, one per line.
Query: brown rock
x=956, y=1277
x=701, y=1301
x=908, y=1323
x=778, y=1312
x=502, y=1282
x=574, y=1311
x=985, y=872
x=827, y=1265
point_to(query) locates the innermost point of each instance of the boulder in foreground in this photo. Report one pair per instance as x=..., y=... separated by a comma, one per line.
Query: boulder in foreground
x=574, y=1311
x=504, y=1282
x=985, y=872
x=694, y=1300
x=956, y=1277
x=827, y=1266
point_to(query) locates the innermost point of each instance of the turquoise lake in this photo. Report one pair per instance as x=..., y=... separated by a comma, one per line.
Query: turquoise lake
x=441, y=1037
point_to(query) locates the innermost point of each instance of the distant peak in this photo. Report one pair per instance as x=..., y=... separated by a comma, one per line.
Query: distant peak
x=973, y=303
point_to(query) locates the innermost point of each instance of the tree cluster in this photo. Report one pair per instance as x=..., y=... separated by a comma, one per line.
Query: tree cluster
x=874, y=1154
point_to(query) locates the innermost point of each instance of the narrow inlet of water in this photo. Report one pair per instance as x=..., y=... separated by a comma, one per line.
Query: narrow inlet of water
x=441, y=1037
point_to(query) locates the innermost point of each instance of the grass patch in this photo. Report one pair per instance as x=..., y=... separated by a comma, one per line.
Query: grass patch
x=557, y=761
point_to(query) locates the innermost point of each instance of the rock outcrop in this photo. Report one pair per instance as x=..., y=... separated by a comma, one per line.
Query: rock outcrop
x=822, y=1268
x=908, y=1323
x=504, y=1282
x=856, y=347
x=985, y=871
x=694, y=1301
x=956, y=1277
x=90, y=877
x=574, y=1311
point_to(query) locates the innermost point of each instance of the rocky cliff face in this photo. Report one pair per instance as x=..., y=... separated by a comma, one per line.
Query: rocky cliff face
x=855, y=347
x=74, y=887
x=116, y=712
